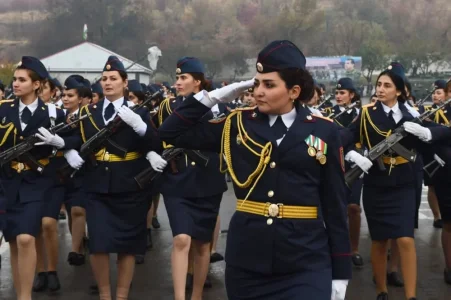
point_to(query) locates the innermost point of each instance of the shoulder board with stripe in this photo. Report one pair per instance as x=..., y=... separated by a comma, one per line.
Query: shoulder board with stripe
x=244, y=108
x=217, y=120
x=324, y=118
x=6, y=101
x=368, y=105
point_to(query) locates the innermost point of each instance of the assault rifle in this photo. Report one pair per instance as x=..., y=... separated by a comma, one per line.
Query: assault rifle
x=392, y=143
x=22, y=149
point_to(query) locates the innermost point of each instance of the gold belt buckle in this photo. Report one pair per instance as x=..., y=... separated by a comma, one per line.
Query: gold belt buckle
x=274, y=210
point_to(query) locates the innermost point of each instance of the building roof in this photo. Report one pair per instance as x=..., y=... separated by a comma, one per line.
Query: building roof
x=86, y=57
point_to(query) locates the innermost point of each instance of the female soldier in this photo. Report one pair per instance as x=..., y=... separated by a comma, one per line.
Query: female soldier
x=442, y=185
x=441, y=117
x=116, y=207
x=345, y=95
x=97, y=92
x=49, y=90
x=287, y=168
x=26, y=184
x=388, y=195
x=47, y=241
x=192, y=191
x=135, y=92
x=74, y=193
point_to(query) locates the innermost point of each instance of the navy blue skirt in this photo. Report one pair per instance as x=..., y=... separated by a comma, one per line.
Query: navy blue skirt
x=195, y=217
x=307, y=285
x=443, y=192
x=75, y=197
x=51, y=205
x=22, y=218
x=390, y=211
x=355, y=192
x=117, y=223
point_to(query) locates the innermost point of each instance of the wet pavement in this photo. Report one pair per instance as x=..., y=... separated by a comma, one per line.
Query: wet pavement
x=153, y=279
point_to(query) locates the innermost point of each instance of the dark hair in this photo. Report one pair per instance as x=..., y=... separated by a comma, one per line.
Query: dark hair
x=84, y=92
x=399, y=84
x=140, y=95
x=299, y=77
x=99, y=94
x=352, y=60
x=204, y=83
x=51, y=85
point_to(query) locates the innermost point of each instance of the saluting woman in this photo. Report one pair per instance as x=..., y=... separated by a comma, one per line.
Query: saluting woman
x=25, y=184
x=289, y=236
x=192, y=192
x=116, y=207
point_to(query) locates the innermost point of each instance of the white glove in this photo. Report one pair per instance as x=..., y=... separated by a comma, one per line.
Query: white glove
x=230, y=92
x=73, y=159
x=156, y=161
x=48, y=138
x=226, y=94
x=132, y=119
x=419, y=131
x=339, y=289
x=364, y=163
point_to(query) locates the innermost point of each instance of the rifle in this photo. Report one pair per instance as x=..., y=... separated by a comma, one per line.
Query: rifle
x=391, y=143
x=346, y=109
x=101, y=137
x=318, y=107
x=22, y=149
x=149, y=174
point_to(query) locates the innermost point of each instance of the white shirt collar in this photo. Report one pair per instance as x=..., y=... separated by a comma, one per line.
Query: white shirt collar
x=287, y=118
x=395, y=108
x=117, y=104
x=32, y=107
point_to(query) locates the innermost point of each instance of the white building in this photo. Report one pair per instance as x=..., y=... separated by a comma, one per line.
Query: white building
x=88, y=59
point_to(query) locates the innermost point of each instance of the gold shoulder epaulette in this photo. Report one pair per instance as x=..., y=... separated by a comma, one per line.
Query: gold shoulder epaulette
x=324, y=118
x=244, y=108
x=6, y=101
x=368, y=105
x=218, y=120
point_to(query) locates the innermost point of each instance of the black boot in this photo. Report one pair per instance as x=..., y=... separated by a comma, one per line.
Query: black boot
x=40, y=282
x=394, y=279
x=357, y=260
x=76, y=259
x=53, y=281
x=382, y=296
x=155, y=223
x=139, y=259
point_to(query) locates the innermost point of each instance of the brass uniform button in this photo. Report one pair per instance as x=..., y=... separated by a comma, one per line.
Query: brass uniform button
x=271, y=194
x=272, y=165
x=269, y=221
x=193, y=163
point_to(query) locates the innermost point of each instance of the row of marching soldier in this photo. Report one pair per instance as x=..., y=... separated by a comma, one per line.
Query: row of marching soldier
x=277, y=148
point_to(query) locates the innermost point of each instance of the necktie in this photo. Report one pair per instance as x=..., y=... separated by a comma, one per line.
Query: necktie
x=26, y=115
x=390, y=117
x=279, y=128
x=109, y=111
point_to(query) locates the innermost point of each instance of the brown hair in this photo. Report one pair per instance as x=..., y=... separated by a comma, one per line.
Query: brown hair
x=204, y=83
x=448, y=87
x=51, y=85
